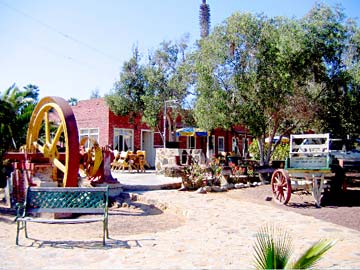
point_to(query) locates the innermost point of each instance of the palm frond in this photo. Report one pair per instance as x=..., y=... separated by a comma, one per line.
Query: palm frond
x=273, y=248
x=313, y=254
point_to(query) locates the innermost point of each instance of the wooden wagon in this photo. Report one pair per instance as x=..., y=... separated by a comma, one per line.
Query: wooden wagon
x=308, y=168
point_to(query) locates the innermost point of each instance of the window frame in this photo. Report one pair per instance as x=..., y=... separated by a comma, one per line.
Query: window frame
x=93, y=133
x=222, y=149
x=123, y=132
x=189, y=142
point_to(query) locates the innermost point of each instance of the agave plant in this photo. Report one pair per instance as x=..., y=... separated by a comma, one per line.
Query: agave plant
x=273, y=249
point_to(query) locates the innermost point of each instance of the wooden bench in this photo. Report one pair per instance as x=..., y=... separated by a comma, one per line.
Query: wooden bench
x=59, y=200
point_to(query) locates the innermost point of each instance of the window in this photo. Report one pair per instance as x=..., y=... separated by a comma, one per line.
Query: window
x=191, y=142
x=123, y=139
x=91, y=133
x=211, y=145
x=221, y=144
x=234, y=147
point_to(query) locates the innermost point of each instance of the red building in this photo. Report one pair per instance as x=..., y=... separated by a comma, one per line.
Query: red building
x=96, y=120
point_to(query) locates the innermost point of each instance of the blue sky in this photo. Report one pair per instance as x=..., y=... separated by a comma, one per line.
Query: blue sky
x=70, y=48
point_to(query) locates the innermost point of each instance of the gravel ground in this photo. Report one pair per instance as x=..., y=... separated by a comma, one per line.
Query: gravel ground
x=343, y=210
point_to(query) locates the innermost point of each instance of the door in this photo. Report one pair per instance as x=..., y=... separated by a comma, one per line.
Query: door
x=147, y=144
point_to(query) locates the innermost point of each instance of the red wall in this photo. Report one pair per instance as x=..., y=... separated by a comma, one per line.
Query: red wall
x=94, y=113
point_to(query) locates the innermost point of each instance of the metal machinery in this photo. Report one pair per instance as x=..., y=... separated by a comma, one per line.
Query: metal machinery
x=53, y=148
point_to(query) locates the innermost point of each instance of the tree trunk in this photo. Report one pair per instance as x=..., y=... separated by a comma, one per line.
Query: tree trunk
x=264, y=160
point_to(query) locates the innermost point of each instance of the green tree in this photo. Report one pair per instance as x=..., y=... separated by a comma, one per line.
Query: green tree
x=22, y=103
x=272, y=74
x=73, y=101
x=251, y=71
x=335, y=45
x=16, y=107
x=127, y=95
x=168, y=78
x=144, y=87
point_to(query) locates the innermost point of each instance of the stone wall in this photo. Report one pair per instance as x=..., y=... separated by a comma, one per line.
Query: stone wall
x=166, y=157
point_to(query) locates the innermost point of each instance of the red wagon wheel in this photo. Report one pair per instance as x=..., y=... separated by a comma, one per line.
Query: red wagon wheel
x=281, y=186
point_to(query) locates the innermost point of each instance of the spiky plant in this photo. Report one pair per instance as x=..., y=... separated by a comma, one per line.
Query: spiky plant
x=204, y=19
x=273, y=249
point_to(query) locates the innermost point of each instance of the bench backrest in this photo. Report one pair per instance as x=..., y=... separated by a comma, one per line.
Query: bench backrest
x=66, y=200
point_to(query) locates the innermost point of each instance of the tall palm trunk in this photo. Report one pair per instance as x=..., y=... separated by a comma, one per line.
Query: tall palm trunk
x=204, y=19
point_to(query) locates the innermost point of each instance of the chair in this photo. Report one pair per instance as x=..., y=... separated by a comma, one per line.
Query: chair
x=142, y=160
x=132, y=160
x=123, y=161
x=115, y=164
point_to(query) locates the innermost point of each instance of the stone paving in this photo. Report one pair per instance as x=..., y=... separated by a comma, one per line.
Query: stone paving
x=219, y=233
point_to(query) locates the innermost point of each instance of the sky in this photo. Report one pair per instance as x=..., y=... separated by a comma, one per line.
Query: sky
x=74, y=48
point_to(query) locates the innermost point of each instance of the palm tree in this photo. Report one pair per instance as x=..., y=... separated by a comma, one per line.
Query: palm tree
x=273, y=249
x=20, y=105
x=204, y=19
x=73, y=101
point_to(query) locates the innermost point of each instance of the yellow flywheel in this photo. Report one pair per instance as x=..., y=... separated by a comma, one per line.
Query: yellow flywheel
x=91, y=158
x=53, y=132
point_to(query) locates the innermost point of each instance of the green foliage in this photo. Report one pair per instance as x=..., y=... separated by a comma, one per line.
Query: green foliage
x=193, y=177
x=7, y=122
x=127, y=93
x=281, y=152
x=278, y=75
x=143, y=88
x=313, y=254
x=73, y=101
x=273, y=249
x=18, y=106
x=248, y=73
x=335, y=45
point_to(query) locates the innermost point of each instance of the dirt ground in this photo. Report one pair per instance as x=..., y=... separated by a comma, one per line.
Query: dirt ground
x=343, y=210
x=137, y=217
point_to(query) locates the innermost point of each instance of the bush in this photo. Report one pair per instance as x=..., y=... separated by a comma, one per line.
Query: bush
x=281, y=152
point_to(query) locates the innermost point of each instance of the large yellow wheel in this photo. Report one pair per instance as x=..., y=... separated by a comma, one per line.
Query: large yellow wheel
x=91, y=159
x=53, y=132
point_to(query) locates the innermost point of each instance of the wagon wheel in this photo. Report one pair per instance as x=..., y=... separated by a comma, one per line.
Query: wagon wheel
x=50, y=113
x=281, y=186
x=90, y=159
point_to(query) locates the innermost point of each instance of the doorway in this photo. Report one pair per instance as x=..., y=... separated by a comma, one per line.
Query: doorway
x=147, y=144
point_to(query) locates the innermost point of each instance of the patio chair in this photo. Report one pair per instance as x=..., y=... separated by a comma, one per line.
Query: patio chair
x=142, y=160
x=123, y=161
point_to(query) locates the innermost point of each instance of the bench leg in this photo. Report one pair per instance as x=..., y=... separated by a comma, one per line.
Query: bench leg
x=20, y=227
x=105, y=231
x=17, y=232
x=26, y=230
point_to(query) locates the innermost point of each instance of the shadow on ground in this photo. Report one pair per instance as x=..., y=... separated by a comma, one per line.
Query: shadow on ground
x=111, y=243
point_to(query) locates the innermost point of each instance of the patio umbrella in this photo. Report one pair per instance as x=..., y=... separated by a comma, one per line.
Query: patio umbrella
x=191, y=131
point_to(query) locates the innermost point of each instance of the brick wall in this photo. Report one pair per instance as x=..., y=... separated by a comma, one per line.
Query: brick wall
x=93, y=113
